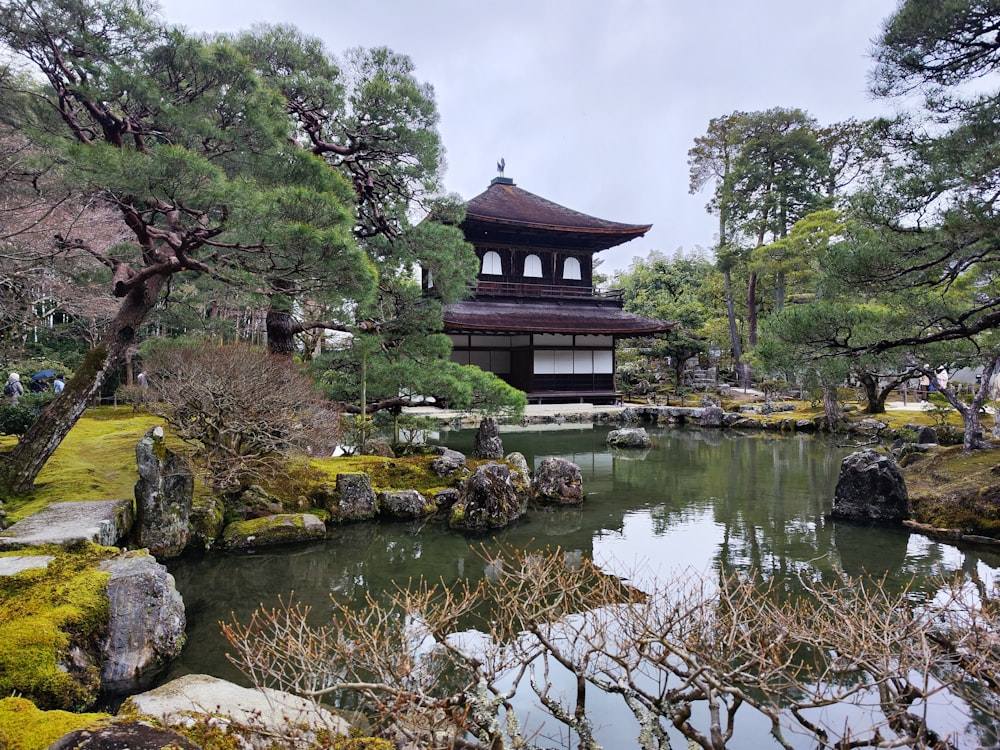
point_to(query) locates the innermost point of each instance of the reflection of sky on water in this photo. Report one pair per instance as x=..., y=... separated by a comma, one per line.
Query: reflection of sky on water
x=646, y=557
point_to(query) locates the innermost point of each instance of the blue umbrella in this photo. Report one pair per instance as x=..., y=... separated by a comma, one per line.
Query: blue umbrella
x=43, y=374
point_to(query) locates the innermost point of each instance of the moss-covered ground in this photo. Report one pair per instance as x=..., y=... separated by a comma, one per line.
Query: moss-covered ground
x=96, y=461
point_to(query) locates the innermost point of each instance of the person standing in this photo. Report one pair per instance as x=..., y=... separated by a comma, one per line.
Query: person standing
x=923, y=387
x=12, y=388
x=143, y=382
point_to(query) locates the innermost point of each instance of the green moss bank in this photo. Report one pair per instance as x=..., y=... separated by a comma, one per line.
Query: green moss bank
x=956, y=491
x=50, y=622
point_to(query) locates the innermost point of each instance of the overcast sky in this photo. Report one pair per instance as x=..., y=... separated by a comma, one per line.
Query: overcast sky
x=594, y=103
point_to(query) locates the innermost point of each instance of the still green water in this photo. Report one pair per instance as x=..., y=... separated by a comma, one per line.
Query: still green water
x=697, y=500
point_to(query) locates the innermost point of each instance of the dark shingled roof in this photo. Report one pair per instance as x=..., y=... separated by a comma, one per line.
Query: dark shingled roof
x=539, y=317
x=506, y=214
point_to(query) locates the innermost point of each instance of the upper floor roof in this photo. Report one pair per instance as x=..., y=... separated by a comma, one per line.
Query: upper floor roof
x=504, y=214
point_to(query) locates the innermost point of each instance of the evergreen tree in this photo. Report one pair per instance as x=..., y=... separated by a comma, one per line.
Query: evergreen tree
x=192, y=150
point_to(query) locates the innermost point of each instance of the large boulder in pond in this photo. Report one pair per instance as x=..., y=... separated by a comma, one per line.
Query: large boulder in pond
x=487, y=443
x=260, y=718
x=557, y=482
x=629, y=437
x=146, y=624
x=486, y=500
x=870, y=488
x=283, y=528
x=163, y=497
x=405, y=504
x=353, y=498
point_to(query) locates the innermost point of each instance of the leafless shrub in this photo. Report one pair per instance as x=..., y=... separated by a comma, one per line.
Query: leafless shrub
x=437, y=665
x=245, y=411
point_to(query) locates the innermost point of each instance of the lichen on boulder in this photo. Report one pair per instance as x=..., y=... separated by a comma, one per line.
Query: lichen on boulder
x=352, y=499
x=629, y=437
x=146, y=621
x=405, y=504
x=254, y=502
x=124, y=733
x=449, y=463
x=487, y=442
x=208, y=519
x=486, y=500
x=261, y=717
x=163, y=497
x=557, y=482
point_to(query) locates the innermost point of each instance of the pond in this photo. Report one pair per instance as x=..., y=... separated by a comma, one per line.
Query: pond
x=697, y=500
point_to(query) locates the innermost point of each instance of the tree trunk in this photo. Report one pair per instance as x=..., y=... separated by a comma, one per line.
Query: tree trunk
x=752, y=309
x=831, y=407
x=734, y=334
x=972, y=440
x=874, y=397
x=23, y=464
x=280, y=332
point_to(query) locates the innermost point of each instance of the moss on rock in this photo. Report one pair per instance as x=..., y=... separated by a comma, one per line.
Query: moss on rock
x=50, y=621
x=278, y=529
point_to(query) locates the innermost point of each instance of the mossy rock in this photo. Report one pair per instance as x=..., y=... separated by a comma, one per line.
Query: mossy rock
x=50, y=621
x=24, y=726
x=283, y=528
x=208, y=519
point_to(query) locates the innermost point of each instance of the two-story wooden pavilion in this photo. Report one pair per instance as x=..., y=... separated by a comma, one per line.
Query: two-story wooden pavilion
x=536, y=319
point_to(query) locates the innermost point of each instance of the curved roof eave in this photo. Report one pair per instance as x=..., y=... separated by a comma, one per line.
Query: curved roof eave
x=504, y=204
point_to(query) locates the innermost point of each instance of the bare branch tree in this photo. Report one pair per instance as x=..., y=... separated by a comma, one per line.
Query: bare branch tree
x=247, y=412
x=448, y=666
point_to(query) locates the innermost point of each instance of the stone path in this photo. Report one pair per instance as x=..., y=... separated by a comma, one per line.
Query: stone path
x=101, y=521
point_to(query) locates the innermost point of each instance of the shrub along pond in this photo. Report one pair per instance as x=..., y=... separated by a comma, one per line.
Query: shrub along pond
x=698, y=502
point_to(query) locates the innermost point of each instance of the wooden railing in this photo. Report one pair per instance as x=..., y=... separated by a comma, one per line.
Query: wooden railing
x=546, y=291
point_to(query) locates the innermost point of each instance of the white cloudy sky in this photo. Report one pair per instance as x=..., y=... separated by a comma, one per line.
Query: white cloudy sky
x=594, y=103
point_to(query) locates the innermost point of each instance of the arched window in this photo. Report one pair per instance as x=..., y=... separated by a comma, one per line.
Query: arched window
x=532, y=267
x=491, y=263
x=571, y=269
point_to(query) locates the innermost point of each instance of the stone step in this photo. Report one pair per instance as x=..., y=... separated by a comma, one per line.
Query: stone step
x=101, y=521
